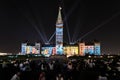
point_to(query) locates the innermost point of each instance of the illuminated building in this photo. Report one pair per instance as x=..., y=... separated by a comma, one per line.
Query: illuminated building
x=97, y=48
x=71, y=50
x=37, y=47
x=48, y=50
x=81, y=48
x=23, y=48
x=59, y=33
x=27, y=48
x=89, y=48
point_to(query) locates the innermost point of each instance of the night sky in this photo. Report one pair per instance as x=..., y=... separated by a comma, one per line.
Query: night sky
x=34, y=21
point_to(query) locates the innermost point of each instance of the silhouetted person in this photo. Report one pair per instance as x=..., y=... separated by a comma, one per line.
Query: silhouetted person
x=59, y=77
x=16, y=76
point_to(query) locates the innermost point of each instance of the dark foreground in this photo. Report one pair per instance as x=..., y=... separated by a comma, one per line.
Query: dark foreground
x=72, y=69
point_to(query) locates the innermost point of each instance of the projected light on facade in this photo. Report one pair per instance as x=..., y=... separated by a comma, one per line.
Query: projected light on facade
x=23, y=48
x=93, y=48
x=97, y=48
x=71, y=50
x=30, y=49
x=89, y=49
x=59, y=33
x=81, y=48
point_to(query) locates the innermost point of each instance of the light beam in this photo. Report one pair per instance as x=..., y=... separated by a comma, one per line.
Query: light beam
x=99, y=26
x=65, y=21
x=38, y=21
x=52, y=37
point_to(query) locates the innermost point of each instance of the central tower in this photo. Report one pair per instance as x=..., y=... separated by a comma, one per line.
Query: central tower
x=59, y=33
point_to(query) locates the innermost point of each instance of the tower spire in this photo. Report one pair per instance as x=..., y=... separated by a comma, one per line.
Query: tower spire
x=59, y=21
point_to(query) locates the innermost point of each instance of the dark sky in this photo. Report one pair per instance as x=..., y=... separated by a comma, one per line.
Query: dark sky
x=34, y=20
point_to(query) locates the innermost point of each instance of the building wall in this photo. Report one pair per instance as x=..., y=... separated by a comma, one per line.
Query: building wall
x=29, y=49
x=71, y=50
x=81, y=49
x=89, y=49
x=97, y=49
x=23, y=48
x=37, y=47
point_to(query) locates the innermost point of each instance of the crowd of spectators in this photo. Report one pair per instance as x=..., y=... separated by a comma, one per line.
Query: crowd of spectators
x=71, y=69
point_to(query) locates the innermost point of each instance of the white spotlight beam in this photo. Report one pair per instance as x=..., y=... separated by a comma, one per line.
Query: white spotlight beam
x=99, y=26
x=51, y=37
